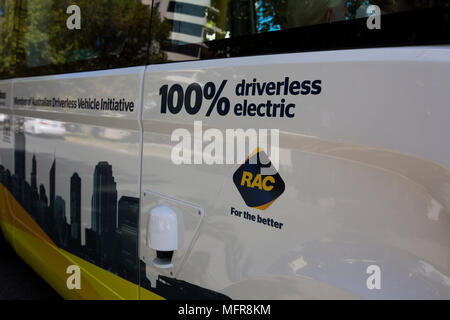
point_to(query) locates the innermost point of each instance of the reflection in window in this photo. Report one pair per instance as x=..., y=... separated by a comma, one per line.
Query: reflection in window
x=265, y=13
x=187, y=8
x=194, y=23
x=37, y=24
x=7, y=43
x=114, y=33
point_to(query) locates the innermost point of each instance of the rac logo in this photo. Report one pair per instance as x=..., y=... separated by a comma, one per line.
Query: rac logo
x=258, y=182
x=258, y=188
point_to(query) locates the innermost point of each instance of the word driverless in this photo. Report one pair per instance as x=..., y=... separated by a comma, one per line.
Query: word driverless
x=237, y=144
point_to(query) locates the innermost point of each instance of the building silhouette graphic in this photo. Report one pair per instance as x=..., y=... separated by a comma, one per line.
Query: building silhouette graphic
x=127, y=232
x=19, y=152
x=52, y=184
x=75, y=212
x=60, y=227
x=108, y=245
x=104, y=213
x=112, y=240
x=33, y=174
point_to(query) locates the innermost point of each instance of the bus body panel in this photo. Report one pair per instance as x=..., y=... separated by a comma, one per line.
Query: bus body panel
x=7, y=157
x=77, y=175
x=363, y=164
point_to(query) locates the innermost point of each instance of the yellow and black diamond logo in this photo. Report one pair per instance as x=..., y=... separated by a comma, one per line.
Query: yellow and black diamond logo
x=258, y=182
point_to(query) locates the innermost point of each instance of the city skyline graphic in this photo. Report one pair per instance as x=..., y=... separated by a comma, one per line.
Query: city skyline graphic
x=111, y=242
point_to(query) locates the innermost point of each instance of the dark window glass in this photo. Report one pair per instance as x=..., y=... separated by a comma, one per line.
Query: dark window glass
x=226, y=28
x=186, y=8
x=186, y=28
x=7, y=43
x=113, y=34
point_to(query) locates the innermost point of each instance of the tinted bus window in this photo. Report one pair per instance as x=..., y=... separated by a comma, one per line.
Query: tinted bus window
x=186, y=8
x=223, y=28
x=7, y=42
x=113, y=34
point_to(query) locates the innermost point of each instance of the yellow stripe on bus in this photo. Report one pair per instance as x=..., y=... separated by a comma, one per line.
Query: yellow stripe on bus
x=50, y=262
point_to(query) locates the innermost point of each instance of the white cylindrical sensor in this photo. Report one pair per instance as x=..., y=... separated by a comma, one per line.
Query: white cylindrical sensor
x=162, y=232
